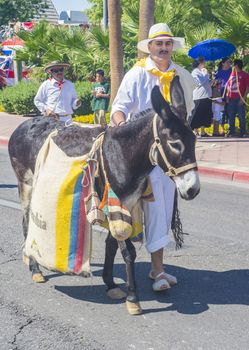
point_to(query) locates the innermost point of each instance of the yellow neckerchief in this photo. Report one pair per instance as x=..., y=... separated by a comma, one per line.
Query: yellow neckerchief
x=165, y=78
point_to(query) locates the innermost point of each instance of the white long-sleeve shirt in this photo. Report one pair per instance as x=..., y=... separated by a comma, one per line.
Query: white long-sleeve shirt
x=59, y=98
x=134, y=94
x=203, y=89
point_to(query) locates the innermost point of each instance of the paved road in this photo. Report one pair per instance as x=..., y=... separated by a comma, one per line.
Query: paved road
x=207, y=310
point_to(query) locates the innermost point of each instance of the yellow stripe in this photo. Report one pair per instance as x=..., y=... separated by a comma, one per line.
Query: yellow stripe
x=63, y=215
x=160, y=33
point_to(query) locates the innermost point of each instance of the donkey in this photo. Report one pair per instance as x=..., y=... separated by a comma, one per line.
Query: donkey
x=129, y=153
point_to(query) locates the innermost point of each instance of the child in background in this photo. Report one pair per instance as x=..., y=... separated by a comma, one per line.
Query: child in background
x=217, y=108
x=101, y=96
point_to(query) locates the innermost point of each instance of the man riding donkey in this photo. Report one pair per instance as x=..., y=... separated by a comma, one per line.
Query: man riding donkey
x=134, y=96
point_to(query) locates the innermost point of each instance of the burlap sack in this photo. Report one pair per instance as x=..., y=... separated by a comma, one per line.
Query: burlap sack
x=59, y=236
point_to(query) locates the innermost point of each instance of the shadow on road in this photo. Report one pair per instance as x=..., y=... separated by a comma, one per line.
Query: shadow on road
x=195, y=291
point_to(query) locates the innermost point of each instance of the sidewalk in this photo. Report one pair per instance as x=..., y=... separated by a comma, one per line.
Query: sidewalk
x=225, y=158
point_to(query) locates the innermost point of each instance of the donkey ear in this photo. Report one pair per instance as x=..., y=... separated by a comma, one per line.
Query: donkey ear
x=160, y=105
x=177, y=98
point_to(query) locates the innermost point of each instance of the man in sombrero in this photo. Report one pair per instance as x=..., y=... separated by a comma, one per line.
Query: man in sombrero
x=57, y=97
x=134, y=96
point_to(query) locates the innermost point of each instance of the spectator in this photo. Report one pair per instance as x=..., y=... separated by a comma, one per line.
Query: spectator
x=202, y=114
x=237, y=91
x=57, y=96
x=223, y=73
x=101, y=96
x=217, y=107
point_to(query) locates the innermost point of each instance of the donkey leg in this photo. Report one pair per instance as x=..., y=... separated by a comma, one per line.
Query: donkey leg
x=25, y=191
x=128, y=252
x=113, y=291
x=37, y=275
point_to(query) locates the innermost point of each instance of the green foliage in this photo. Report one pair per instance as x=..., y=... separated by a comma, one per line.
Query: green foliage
x=19, y=99
x=235, y=24
x=130, y=25
x=16, y=10
x=84, y=93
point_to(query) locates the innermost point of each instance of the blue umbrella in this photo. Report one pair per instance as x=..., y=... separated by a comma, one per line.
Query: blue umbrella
x=212, y=49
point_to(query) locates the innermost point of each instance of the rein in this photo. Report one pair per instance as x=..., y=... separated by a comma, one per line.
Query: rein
x=157, y=147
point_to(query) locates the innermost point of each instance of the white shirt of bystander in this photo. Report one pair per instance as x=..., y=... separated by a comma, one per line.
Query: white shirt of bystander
x=59, y=97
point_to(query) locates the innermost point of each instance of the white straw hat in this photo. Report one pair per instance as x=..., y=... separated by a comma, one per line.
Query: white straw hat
x=160, y=31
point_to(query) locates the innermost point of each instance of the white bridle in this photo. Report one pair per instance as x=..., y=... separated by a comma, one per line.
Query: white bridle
x=157, y=147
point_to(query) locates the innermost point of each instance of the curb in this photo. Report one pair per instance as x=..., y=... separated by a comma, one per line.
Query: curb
x=224, y=174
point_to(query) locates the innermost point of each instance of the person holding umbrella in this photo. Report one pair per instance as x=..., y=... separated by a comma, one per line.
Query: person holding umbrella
x=202, y=114
x=57, y=97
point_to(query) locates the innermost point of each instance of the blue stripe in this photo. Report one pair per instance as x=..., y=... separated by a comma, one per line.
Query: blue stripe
x=74, y=223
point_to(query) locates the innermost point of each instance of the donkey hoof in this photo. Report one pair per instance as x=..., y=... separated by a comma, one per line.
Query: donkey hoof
x=85, y=274
x=116, y=293
x=133, y=308
x=38, y=278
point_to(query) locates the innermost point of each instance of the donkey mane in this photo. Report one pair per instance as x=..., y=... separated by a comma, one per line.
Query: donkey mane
x=142, y=114
x=133, y=127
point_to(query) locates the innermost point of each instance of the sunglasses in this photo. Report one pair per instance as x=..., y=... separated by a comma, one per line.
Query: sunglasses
x=59, y=70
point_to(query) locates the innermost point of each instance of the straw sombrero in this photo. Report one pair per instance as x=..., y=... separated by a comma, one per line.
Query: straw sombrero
x=160, y=31
x=54, y=64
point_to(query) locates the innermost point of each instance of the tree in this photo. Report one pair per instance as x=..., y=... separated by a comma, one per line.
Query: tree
x=95, y=13
x=16, y=10
x=115, y=45
x=146, y=20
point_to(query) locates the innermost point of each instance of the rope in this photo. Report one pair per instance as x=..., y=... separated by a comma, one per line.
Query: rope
x=237, y=82
x=172, y=171
x=176, y=224
x=225, y=88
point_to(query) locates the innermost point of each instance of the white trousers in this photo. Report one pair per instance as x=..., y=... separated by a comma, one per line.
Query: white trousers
x=67, y=119
x=158, y=214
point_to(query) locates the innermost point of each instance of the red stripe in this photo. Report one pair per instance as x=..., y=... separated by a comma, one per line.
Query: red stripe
x=114, y=202
x=81, y=232
x=82, y=222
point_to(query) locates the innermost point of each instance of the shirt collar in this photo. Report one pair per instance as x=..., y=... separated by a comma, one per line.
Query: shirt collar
x=55, y=82
x=150, y=64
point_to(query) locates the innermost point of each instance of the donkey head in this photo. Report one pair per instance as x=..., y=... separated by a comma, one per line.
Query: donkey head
x=177, y=139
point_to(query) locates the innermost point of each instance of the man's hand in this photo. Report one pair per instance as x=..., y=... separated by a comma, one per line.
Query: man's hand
x=52, y=114
x=99, y=95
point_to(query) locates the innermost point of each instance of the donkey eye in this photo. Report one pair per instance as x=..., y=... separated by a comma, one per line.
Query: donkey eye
x=176, y=146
